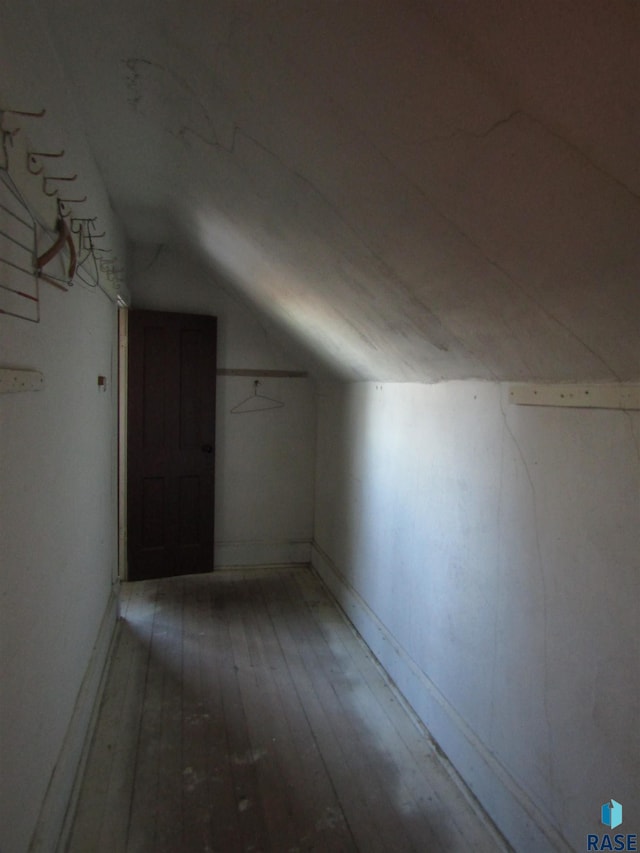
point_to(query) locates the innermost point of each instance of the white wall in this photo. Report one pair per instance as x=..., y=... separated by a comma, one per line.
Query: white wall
x=264, y=460
x=58, y=525
x=489, y=555
x=58, y=553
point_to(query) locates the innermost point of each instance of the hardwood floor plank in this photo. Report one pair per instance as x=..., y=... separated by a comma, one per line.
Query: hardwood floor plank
x=135, y=638
x=197, y=794
x=328, y=726
x=243, y=713
x=318, y=816
x=141, y=832
x=273, y=799
x=413, y=799
x=228, y=598
x=169, y=647
x=219, y=687
x=454, y=819
x=454, y=813
x=357, y=741
x=107, y=789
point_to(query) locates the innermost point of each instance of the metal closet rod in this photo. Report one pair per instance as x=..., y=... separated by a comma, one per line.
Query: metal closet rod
x=242, y=371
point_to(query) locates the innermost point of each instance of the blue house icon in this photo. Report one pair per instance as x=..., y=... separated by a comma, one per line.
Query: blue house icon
x=612, y=814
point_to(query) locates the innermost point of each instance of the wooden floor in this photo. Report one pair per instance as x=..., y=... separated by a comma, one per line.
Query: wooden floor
x=242, y=713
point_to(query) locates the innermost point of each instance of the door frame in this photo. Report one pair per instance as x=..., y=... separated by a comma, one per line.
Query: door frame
x=124, y=353
x=123, y=389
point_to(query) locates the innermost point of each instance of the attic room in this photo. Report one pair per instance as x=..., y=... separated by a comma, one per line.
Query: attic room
x=417, y=226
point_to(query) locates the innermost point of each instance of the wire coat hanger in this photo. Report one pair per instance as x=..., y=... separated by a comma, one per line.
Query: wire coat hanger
x=34, y=202
x=256, y=402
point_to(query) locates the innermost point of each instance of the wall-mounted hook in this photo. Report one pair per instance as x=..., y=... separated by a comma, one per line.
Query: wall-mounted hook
x=7, y=136
x=48, y=178
x=23, y=113
x=84, y=244
x=73, y=200
x=93, y=234
x=31, y=162
x=88, y=220
x=45, y=190
x=46, y=153
x=90, y=242
x=61, y=177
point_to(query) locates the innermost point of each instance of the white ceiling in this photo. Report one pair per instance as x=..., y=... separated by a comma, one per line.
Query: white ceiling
x=413, y=190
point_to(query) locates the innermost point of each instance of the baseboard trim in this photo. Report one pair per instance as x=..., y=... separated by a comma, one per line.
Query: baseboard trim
x=58, y=807
x=515, y=815
x=261, y=553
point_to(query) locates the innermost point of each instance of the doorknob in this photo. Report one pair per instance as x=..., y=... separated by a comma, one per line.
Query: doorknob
x=207, y=448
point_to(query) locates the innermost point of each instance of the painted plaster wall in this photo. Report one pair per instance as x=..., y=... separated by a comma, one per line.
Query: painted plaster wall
x=58, y=549
x=58, y=524
x=265, y=460
x=489, y=555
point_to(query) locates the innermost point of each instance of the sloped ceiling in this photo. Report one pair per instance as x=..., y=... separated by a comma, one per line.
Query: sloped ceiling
x=413, y=190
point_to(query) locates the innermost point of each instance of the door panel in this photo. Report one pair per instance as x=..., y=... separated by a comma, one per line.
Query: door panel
x=171, y=441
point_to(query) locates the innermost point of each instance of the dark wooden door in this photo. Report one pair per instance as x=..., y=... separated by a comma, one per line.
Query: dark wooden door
x=170, y=444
